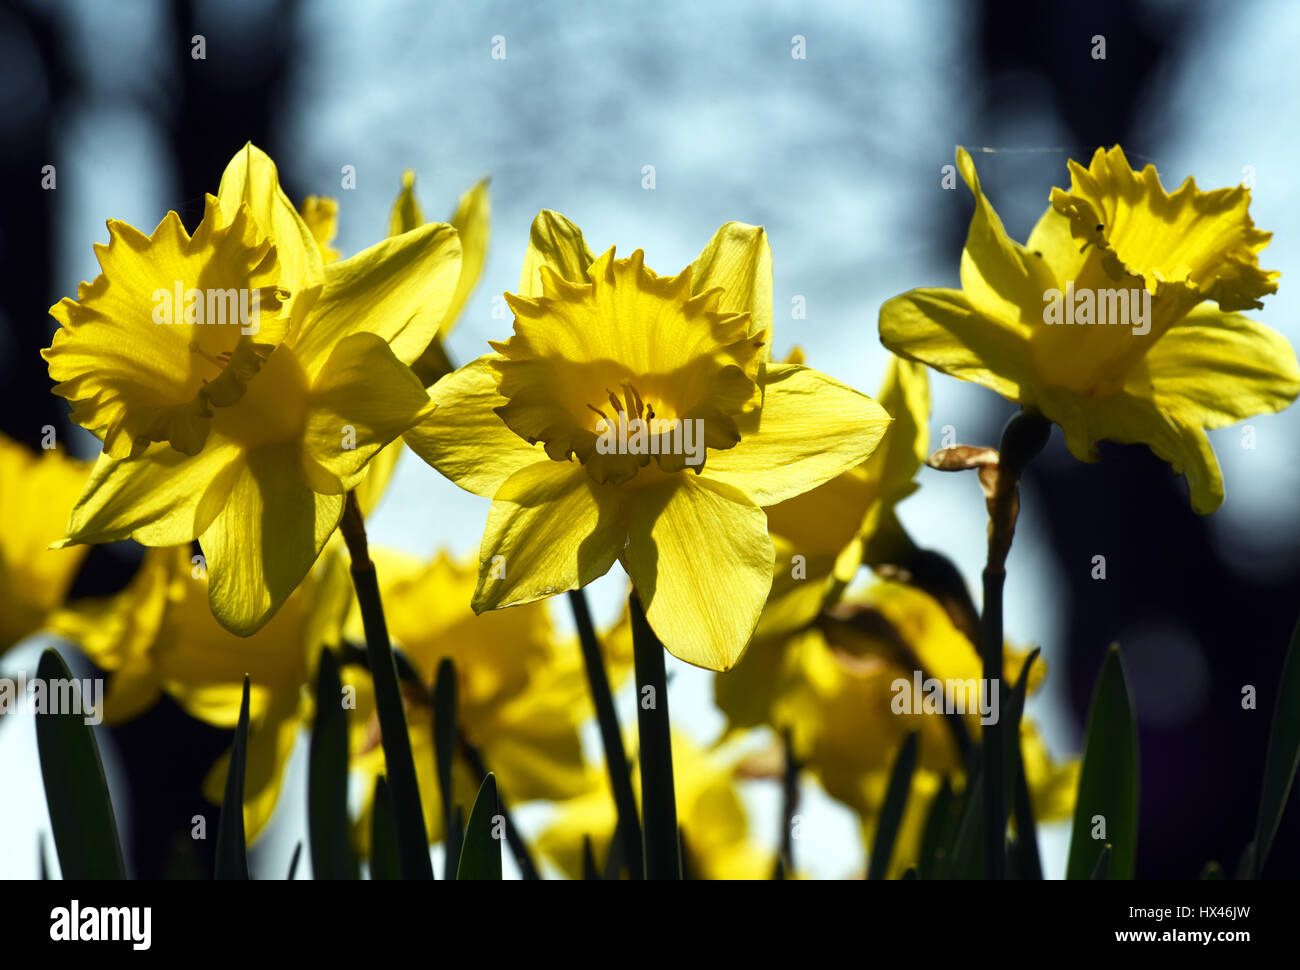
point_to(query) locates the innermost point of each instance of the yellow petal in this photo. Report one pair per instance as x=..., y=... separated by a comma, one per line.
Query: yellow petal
x=905, y=396
x=251, y=179
x=162, y=498
x=550, y=529
x=739, y=260
x=362, y=399
x=1001, y=278
x=398, y=289
x=941, y=328
x=1127, y=419
x=36, y=491
x=1216, y=368
x=321, y=214
x=406, y=213
x=472, y=220
x=378, y=473
x=464, y=438
x=700, y=557
x=265, y=540
x=556, y=242
x=810, y=429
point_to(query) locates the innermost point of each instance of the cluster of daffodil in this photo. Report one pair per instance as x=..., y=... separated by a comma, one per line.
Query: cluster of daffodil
x=246, y=458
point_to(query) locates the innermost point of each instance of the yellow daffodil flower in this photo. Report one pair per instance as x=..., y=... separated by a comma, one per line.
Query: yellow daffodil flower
x=634, y=417
x=712, y=816
x=521, y=690
x=159, y=636
x=247, y=442
x=471, y=221
x=822, y=536
x=36, y=490
x=832, y=686
x=1118, y=320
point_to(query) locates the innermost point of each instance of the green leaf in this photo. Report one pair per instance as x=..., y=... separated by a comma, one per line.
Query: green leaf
x=1283, y=756
x=966, y=860
x=408, y=815
x=480, y=855
x=891, y=814
x=658, y=797
x=444, y=748
x=384, y=860
x=81, y=811
x=232, y=853
x=1028, y=863
x=940, y=825
x=1108, y=781
x=327, y=779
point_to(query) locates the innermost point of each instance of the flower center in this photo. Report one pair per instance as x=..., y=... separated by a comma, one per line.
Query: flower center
x=682, y=370
x=273, y=409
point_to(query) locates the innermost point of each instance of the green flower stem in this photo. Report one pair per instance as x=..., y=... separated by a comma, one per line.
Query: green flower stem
x=1024, y=436
x=620, y=774
x=412, y=837
x=789, y=805
x=658, y=799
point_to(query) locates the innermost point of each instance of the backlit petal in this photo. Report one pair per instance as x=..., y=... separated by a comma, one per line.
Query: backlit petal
x=941, y=328
x=464, y=438
x=362, y=399
x=703, y=601
x=810, y=429
x=265, y=539
x=550, y=529
x=399, y=289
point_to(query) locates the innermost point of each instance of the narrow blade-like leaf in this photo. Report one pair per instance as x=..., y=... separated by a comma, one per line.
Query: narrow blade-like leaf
x=480, y=854
x=232, y=853
x=327, y=779
x=891, y=814
x=1283, y=755
x=81, y=811
x=1108, y=782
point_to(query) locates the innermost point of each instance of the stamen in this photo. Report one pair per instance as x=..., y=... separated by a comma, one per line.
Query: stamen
x=598, y=411
x=618, y=405
x=631, y=394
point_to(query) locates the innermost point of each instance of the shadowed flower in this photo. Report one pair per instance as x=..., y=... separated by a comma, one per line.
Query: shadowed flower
x=471, y=221
x=247, y=442
x=708, y=432
x=844, y=689
x=823, y=536
x=158, y=636
x=36, y=489
x=1118, y=319
x=714, y=824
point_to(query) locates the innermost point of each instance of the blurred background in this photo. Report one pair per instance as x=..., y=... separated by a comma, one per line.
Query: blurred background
x=839, y=154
